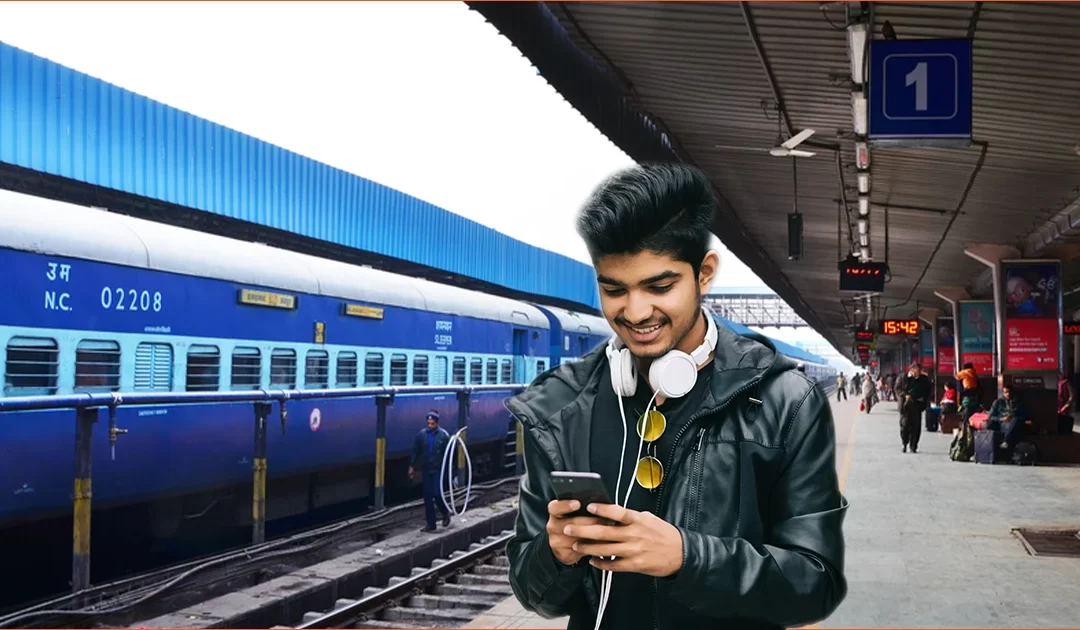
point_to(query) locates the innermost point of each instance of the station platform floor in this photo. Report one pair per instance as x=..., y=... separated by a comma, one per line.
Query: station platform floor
x=929, y=540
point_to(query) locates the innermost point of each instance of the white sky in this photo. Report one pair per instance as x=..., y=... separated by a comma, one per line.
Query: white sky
x=425, y=97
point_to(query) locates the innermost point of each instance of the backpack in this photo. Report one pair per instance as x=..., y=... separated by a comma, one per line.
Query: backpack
x=962, y=448
x=1025, y=454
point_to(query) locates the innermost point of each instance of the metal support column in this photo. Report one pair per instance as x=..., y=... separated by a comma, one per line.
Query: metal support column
x=258, y=466
x=80, y=560
x=462, y=424
x=381, y=402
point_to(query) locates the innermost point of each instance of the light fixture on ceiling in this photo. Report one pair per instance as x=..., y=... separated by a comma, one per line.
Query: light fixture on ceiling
x=864, y=205
x=856, y=41
x=858, y=112
x=864, y=181
x=864, y=226
x=862, y=155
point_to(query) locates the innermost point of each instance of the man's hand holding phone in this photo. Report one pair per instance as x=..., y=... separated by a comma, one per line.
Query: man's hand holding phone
x=561, y=544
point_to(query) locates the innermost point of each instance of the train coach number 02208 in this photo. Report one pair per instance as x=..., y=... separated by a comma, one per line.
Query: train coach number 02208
x=121, y=299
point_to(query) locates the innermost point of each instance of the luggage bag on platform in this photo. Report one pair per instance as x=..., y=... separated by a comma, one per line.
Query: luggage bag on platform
x=985, y=447
x=933, y=414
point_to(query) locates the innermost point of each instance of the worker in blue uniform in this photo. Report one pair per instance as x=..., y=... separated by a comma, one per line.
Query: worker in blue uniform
x=428, y=450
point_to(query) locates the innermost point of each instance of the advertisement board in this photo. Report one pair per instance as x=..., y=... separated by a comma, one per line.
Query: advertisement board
x=975, y=332
x=1032, y=290
x=945, y=345
x=926, y=352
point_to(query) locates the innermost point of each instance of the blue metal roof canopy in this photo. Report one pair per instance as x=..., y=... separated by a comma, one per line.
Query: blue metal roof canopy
x=67, y=135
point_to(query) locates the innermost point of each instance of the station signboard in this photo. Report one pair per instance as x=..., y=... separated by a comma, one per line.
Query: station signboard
x=920, y=89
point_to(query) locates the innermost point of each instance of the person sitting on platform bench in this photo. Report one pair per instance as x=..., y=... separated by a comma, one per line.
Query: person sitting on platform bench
x=948, y=399
x=1008, y=416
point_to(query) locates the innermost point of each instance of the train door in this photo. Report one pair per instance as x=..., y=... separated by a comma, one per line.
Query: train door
x=521, y=351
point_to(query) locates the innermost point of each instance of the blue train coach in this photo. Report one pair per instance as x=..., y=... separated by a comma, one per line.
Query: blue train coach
x=102, y=302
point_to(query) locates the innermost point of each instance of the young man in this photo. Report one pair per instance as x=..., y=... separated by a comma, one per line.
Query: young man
x=734, y=514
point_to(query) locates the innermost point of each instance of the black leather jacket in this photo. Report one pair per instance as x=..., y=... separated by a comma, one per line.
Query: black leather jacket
x=752, y=487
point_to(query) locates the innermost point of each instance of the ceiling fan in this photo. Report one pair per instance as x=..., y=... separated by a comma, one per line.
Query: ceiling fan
x=785, y=148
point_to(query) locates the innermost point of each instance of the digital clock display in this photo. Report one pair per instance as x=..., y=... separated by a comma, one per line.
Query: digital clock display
x=906, y=327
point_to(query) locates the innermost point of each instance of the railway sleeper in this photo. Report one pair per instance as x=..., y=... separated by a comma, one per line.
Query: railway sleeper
x=496, y=592
x=436, y=615
x=482, y=580
x=458, y=601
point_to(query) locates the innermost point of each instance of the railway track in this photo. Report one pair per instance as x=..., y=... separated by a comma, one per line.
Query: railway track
x=127, y=601
x=449, y=594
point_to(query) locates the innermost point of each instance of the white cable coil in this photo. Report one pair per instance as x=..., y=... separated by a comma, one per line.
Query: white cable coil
x=446, y=474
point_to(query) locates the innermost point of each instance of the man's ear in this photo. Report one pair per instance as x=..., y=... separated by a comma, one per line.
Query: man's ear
x=710, y=266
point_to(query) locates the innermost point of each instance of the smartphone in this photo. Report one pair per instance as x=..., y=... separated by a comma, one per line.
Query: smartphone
x=586, y=487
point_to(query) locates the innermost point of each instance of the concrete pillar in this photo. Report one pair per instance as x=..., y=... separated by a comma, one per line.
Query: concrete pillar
x=991, y=255
x=952, y=296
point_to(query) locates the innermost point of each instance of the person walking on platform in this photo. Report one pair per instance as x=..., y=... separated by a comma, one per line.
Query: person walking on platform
x=428, y=451
x=914, y=399
x=841, y=387
x=669, y=413
x=868, y=393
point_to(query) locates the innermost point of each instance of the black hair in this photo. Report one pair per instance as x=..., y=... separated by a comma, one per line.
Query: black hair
x=967, y=366
x=662, y=208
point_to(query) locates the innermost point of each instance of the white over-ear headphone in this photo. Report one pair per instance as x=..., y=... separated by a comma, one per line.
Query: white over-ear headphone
x=671, y=376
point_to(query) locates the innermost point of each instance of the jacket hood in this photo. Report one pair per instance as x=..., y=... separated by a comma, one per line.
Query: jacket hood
x=739, y=360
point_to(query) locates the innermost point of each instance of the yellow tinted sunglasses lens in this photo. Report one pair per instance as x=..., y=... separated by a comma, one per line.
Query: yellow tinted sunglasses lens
x=649, y=473
x=651, y=425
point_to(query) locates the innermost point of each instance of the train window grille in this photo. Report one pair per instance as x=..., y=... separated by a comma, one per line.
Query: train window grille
x=317, y=370
x=347, y=371
x=506, y=374
x=246, y=368
x=492, y=375
x=153, y=367
x=97, y=366
x=373, y=369
x=476, y=372
x=438, y=371
x=420, y=370
x=203, y=368
x=283, y=368
x=459, y=371
x=32, y=367
x=399, y=370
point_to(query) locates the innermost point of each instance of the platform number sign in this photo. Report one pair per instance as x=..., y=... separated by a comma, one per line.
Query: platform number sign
x=920, y=89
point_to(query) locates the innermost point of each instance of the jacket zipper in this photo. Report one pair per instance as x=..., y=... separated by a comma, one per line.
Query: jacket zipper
x=671, y=461
x=695, y=481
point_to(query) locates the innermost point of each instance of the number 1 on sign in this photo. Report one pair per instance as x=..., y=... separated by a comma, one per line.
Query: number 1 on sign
x=918, y=77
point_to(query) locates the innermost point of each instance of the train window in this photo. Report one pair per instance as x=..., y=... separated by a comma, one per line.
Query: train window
x=373, y=369
x=347, y=369
x=246, y=368
x=283, y=368
x=153, y=367
x=476, y=371
x=541, y=366
x=399, y=370
x=32, y=366
x=317, y=370
x=459, y=371
x=97, y=366
x=438, y=371
x=203, y=368
x=420, y=370
x=492, y=375
x=506, y=374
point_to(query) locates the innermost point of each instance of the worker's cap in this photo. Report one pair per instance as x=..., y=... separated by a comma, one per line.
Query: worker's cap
x=433, y=415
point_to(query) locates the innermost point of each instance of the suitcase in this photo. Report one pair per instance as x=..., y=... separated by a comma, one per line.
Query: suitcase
x=978, y=420
x=933, y=414
x=985, y=447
